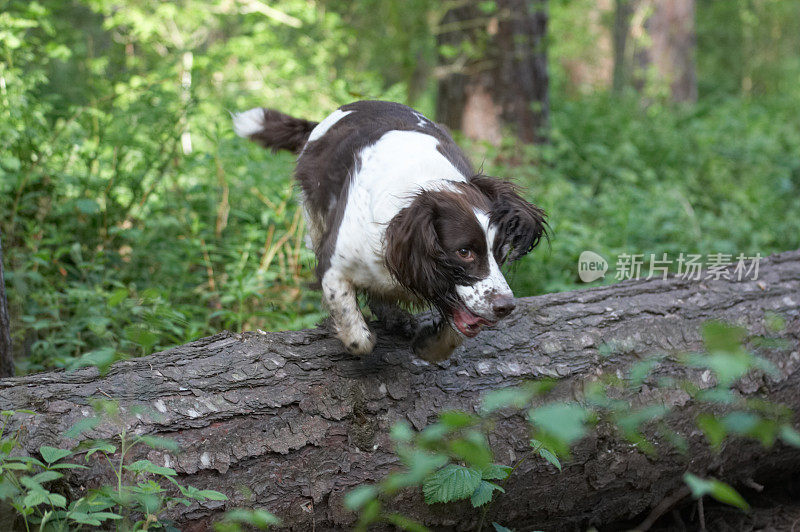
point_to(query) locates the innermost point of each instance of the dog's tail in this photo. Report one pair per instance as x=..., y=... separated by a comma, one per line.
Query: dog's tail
x=273, y=129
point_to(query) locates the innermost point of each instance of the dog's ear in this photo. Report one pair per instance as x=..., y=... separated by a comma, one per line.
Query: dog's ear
x=414, y=254
x=520, y=224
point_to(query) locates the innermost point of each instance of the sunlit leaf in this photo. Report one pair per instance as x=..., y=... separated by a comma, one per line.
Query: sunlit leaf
x=451, y=483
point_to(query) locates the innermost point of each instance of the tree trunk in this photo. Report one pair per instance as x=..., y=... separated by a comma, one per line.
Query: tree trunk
x=654, y=47
x=6, y=352
x=671, y=30
x=503, y=81
x=288, y=422
x=620, y=30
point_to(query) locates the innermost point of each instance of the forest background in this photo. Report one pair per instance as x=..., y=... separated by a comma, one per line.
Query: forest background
x=132, y=219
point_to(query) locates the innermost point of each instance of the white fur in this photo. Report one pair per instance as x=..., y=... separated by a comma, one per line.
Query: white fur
x=326, y=124
x=248, y=122
x=391, y=172
x=478, y=297
x=421, y=120
x=351, y=329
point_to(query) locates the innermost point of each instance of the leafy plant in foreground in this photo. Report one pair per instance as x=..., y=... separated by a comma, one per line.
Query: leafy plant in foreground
x=137, y=501
x=451, y=461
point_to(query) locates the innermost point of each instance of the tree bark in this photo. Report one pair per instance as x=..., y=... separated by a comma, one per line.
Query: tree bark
x=620, y=30
x=654, y=46
x=288, y=422
x=672, y=33
x=6, y=351
x=503, y=81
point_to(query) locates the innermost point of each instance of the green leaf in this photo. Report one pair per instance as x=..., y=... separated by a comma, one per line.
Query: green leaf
x=451, y=483
x=213, y=495
x=500, y=528
x=401, y=432
x=51, y=454
x=370, y=512
x=101, y=358
x=433, y=433
x=508, y=397
x=406, y=523
x=713, y=429
x=483, y=493
x=146, y=466
x=740, y=422
x=545, y=453
x=87, y=206
x=641, y=370
x=456, y=419
x=790, y=436
x=472, y=449
x=495, y=472
x=102, y=516
x=57, y=500
x=82, y=426
x=358, y=497
x=719, y=336
x=717, y=489
x=35, y=497
x=630, y=421
x=157, y=442
x=562, y=421
x=101, y=446
x=46, y=476
x=84, y=518
x=258, y=518
x=117, y=297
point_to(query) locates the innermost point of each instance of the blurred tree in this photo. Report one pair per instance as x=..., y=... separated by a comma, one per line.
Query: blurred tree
x=620, y=30
x=672, y=45
x=654, y=47
x=6, y=354
x=493, y=69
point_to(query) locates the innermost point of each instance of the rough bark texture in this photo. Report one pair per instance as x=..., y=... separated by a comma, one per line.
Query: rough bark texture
x=6, y=352
x=288, y=422
x=507, y=84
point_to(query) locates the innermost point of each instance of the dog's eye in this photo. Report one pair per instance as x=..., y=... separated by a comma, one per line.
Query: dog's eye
x=466, y=254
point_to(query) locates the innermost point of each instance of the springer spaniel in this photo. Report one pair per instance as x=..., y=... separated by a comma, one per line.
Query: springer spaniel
x=395, y=210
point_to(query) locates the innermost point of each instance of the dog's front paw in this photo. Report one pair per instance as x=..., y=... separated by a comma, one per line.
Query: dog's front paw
x=358, y=341
x=436, y=343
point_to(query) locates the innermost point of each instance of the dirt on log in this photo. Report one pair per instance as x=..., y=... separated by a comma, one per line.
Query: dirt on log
x=288, y=422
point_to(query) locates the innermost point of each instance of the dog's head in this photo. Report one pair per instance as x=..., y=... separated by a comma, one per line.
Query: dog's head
x=448, y=245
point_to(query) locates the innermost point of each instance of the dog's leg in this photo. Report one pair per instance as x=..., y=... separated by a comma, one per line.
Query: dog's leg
x=348, y=322
x=436, y=342
x=394, y=318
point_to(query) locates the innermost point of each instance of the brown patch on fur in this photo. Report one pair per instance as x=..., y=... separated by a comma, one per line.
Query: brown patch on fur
x=422, y=243
x=520, y=224
x=283, y=132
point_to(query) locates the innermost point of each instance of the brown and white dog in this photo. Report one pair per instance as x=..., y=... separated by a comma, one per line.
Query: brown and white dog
x=396, y=211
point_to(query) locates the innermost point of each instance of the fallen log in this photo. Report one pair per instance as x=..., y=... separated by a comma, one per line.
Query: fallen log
x=288, y=422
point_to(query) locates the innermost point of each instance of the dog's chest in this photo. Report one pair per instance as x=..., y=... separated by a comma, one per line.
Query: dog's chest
x=390, y=173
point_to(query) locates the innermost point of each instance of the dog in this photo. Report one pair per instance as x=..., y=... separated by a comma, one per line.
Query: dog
x=395, y=210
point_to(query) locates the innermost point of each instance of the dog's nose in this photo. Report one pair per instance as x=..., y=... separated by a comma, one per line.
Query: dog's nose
x=502, y=305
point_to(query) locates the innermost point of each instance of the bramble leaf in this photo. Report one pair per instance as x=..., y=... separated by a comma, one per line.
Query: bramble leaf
x=451, y=483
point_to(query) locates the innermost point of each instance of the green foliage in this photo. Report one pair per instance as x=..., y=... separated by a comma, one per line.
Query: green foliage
x=30, y=486
x=618, y=177
x=451, y=483
x=135, y=221
x=717, y=489
x=234, y=519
